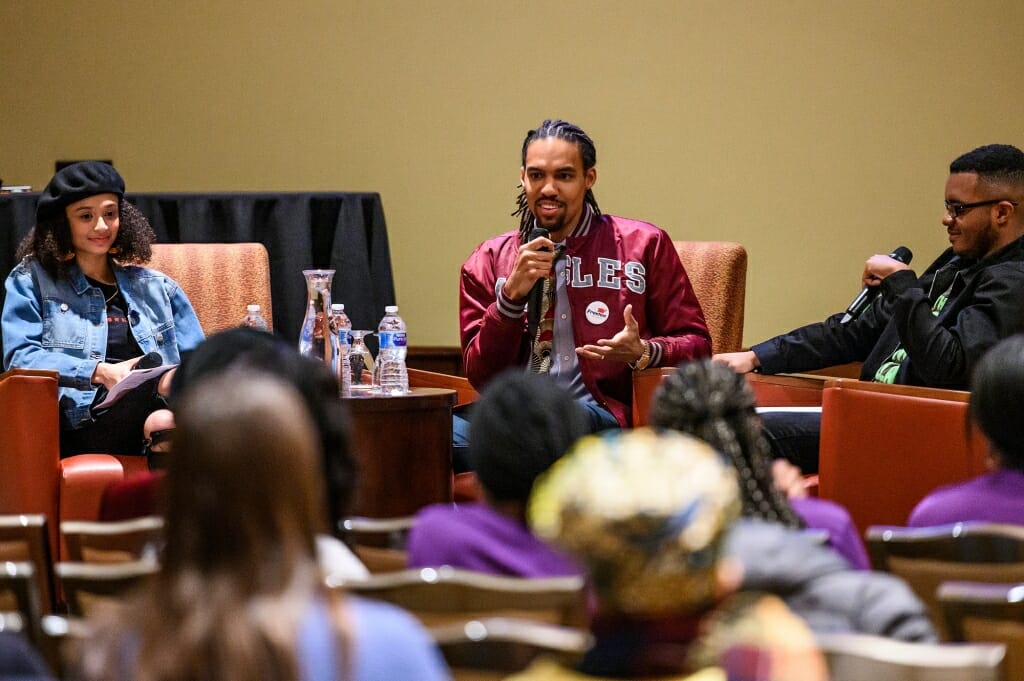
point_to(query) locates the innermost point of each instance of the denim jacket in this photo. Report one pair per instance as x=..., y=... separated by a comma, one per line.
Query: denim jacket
x=61, y=324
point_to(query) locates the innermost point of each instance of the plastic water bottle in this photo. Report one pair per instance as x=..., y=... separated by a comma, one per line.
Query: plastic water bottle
x=253, y=319
x=340, y=362
x=393, y=377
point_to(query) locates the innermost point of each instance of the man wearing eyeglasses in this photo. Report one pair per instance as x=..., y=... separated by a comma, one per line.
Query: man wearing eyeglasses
x=929, y=330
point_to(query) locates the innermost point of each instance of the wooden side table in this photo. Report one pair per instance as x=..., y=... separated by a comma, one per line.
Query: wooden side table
x=403, y=448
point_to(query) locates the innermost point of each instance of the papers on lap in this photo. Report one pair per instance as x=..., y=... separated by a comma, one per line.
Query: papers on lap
x=133, y=380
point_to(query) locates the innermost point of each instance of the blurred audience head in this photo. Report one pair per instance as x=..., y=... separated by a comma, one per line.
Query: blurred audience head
x=244, y=350
x=239, y=568
x=521, y=424
x=997, y=396
x=242, y=491
x=646, y=512
x=712, y=402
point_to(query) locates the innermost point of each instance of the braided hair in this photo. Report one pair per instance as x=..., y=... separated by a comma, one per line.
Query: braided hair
x=562, y=130
x=712, y=402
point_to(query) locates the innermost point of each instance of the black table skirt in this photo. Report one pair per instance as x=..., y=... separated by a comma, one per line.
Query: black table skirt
x=341, y=231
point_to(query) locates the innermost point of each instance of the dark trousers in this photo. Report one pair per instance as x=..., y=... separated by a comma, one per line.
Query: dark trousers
x=117, y=430
x=599, y=419
x=794, y=436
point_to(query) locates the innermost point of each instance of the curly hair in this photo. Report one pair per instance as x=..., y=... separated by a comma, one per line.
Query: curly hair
x=712, y=402
x=562, y=130
x=49, y=241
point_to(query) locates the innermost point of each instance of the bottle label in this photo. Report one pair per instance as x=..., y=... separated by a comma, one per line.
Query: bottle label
x=398, y=339
x=385, y=340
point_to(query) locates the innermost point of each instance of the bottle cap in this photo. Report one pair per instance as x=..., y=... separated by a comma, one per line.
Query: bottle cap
x=252, y=309
x=338, y=306
x=390, y=309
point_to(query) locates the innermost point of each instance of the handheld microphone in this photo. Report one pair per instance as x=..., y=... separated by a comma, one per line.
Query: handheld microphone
x=150, y=360
x=533, y=301
x=539, y=232
x=868, y=293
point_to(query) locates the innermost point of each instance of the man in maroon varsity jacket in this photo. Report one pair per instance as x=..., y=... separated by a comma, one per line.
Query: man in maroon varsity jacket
x=622, y=300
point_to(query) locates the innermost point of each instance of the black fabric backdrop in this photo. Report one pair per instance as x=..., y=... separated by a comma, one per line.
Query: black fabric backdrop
x=336, y=230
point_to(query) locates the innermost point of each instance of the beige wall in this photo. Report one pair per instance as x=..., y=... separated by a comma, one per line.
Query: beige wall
x=814, y=132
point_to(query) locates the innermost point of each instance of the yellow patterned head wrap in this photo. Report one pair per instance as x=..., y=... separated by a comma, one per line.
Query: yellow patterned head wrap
x=645, y=511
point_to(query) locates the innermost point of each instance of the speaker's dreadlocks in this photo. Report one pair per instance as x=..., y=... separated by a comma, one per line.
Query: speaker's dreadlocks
x=712, y=402
x=562, y=130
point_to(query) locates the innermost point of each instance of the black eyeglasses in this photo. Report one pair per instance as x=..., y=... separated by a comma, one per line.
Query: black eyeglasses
x=955, y=210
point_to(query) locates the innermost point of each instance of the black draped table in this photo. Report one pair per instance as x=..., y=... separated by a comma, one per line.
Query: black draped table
x=344, y=231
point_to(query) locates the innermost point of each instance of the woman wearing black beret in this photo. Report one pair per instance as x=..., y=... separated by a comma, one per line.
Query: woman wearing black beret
x=81, y=303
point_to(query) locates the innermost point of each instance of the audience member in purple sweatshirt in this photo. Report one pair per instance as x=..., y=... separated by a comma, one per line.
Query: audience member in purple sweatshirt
x=711, y=401
x=997, y=406
x=521, y=424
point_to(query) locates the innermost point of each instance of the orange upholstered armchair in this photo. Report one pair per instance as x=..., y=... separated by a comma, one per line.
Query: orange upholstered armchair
x=220, y=280
x=718, y=274
x=884, y=447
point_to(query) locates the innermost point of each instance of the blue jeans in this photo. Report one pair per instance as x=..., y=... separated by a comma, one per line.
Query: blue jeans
x=600, y=419
x=794, y=436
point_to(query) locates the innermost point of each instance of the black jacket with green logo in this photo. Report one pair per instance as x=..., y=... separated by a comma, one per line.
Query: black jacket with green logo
x=985, y=304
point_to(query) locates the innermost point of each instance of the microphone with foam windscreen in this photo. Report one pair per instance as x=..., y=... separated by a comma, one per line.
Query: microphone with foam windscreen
x=868, y=293
x=533, y=301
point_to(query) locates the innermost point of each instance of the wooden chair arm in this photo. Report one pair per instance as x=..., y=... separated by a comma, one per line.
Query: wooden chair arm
x=41, y=373
x=783, y=390
x=464, y=392
x=904, y=390
x=850, y=370
x=787, y=390
x=645, y=383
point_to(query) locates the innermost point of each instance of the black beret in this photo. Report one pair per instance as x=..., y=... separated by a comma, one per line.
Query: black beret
x=76, y=182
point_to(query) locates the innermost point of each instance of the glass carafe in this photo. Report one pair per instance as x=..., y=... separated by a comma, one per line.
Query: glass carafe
x=315, y=336
x=361, y=361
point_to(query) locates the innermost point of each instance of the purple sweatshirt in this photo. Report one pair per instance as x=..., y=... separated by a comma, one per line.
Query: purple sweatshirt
x=476, y=537
x=822, y=514
x=996, y=497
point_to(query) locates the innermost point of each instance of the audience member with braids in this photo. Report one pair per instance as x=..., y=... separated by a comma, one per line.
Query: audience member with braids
x=712, y=402
x=715, y=404
x=622, y=297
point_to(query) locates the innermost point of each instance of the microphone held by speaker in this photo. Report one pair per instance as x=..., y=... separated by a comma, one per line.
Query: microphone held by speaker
x=868, y=293
x=538, y=287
